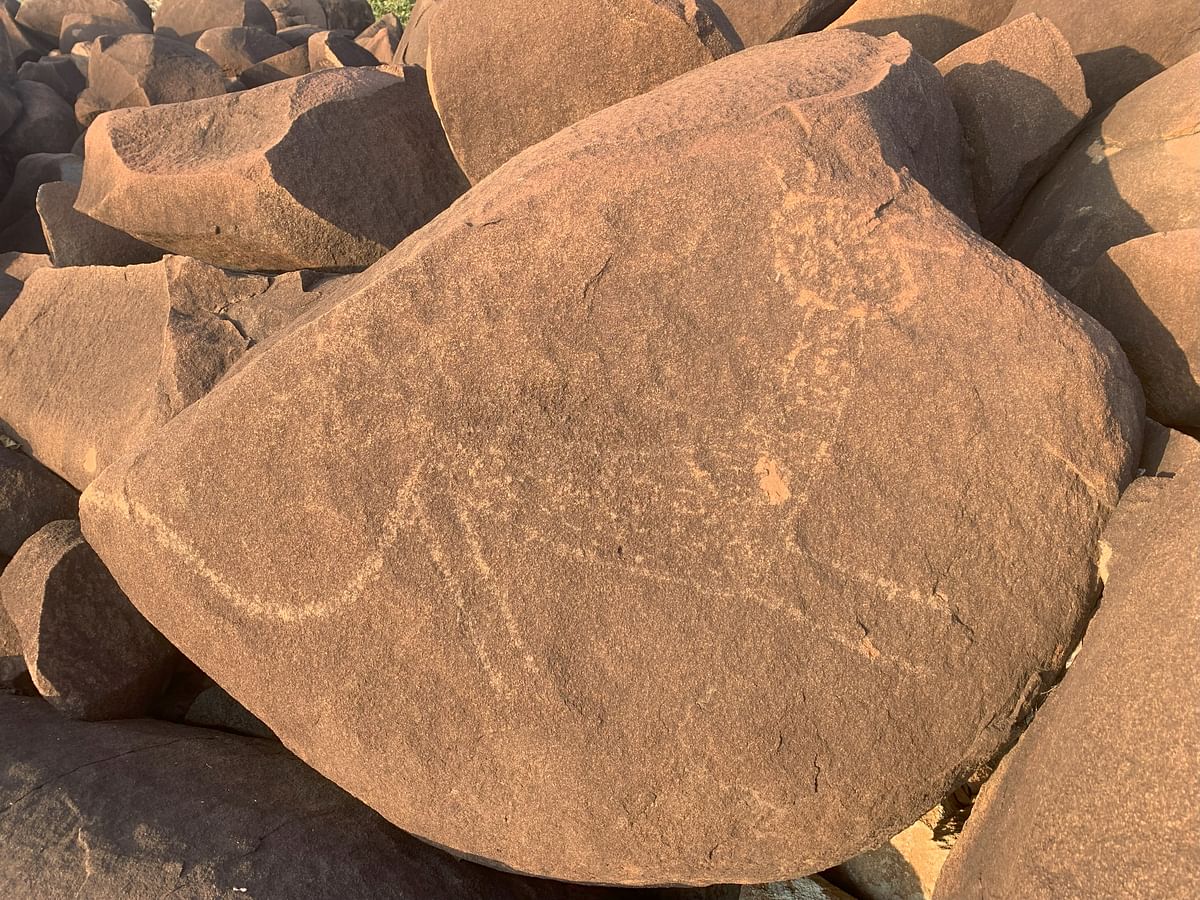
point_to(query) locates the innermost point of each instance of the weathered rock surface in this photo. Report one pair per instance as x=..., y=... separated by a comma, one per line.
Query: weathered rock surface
x=814, y=888
x=907, y=867
x=760, y=21
x=335, y=50
x=1147, y=293
x=31, y=496
x=414, y=43
x=1121, y=44
x=188, y=19
x=606, y=563
x=291, y=64
x=1112, y=760
x=347, y=15
x=17, y=46
x=482, y=75
x=20, y=227
x=60, y=73
x=382, y=38
x=45, y=17
x=934, y=27
x=237, y=49
x=12, y=659
x=1020, y=98
x=78, y=240
x=77, y=29
x=143, y=809
x=253, y=181
x=15, y=267
x=1133, y=172
x=84, y=382
x=46, y=124
x=134, y=70
x=90, y=653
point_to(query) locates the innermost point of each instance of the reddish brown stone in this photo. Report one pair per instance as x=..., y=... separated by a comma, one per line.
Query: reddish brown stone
x=46, y=124
x=31, y=496
x=382, y=38
x=45, y=17
x=82, y=29
x=290, y=64
x=187, y=19
x=760, y=21
x=414, y=43
x=935, y=27
x=236, y=49
x=335, y=50
x=78, y=240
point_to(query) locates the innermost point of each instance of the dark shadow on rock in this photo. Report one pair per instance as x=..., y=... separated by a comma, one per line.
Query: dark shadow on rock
x=887, y=864
x=1111, y=74
x=931, y=36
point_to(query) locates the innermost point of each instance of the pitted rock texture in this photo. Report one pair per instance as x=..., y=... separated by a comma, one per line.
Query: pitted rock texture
x=760, y=21
x=186, y=20
x=935, y=27
x=45, y=17
x=686, y=515
x=31, y=496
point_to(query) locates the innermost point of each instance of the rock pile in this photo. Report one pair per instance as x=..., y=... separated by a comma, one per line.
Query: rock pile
x=635, y=444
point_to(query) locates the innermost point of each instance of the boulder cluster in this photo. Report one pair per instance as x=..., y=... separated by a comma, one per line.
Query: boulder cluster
x=577, y=450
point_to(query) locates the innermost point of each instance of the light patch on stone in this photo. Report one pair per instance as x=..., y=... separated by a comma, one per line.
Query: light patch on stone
x=772, y=480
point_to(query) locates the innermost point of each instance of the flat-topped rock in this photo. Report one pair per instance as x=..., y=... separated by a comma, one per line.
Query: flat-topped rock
x=188, y=19
x=496, y=98
x=253, y=181
x=236, y=49
x=74, y=239
x=639, y=422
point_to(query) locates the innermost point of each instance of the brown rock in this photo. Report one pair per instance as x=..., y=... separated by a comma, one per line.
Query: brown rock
x=1133, y=172
x=15, y=267
x=83, y=382
x=78, y=240
x=12, y=659
x=237, y=49
x=30, y=496
x=637, y=424
x=414, y=43
x=142, y=809
x=134, y=70
x=60, y=73
x=291, y=64
x=1147, y=293
x=347, y=15
x=291, y=13
x=89, y=652
x=290, y=295
x=1121, y=44
x=496, y=98
x=907, y=867
x=82, y=29
x=253, y=181
x=336, y=50
x=19, y=47
x=297, y=35
x=44, y=18
x=1098, y=798
x=46, y=124
x=188, y=19
x=1020, y=98
x=760, y=21
x=20, y=227
x=10, y=106
x=935, y=27
x=815, y=888
x=382, y=38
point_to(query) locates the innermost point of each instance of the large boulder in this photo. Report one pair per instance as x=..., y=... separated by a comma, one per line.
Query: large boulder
x=61, y=73
x=382, y=38
x=1098, y=797
x=1147, y=293
x=74, y=239
x=83, y=382
x=15, y=268
x=20, y=227
x=254, y=181
x=1020, y=97
x=188, y=19
x=335, y=50
x=142, y=809
x=90, y=653
x=290, y=64
x=1121, y=44
x=133, y=70
x=760, y=21
x=935, y=27
x=670, y=513
x=1133, y=172
x=44, y=18
x=31, y=496
x=83, y=29
x=414, y=43
x=236, y=49
x=46, y=123
x=496, y=98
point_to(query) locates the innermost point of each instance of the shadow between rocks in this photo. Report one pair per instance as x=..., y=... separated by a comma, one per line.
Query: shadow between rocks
x=1111, y=74
x=931, y=36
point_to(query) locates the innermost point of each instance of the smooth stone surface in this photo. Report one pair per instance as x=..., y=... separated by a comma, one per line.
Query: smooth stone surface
x=78, y=240
x=1098, y=797
x=60, y=73
x=31, y=496
x=934, y=27
x=90, y=653
x=1133, y=172
x=1020, y=98
x=496, y=98
x=253, y=180
x=637, y=424
x=20, y=227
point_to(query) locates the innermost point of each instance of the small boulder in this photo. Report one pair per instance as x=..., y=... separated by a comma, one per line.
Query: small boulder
x=74, y=239
x=1133, y=172
x=83, y=29
x=347, y=15
x=496, y=98
x=89, y=652
x=335, y=50
x=382, y=38
x=253, y=180
x=1147, y=293
x=15, y=267
x=83, y=382
x=61, y=73
x=18, y=48
x=294, y=13
x=280, y=67
x=1020, y=97
x=31, y=496
x=934, y=27
x=46, y=124
x=297, y=35
x=236, y=49
x=414, y=43
x=44, y=18
x=186, y=20
x=20, y=226
x=133, y=70
x=760, y=21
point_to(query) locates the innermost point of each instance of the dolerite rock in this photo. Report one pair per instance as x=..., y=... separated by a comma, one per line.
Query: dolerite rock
x=1147, y=293
x=15, y=268
x=133, y=70
x=935, y=27
x=290, y=295
x=20, y=227
x=1133, y=172
x=90, y=653
x=907, y=867
x=31, y=496
x=45, y=17
x=61, y=73
x=290, y=13
x=78, y=240
x=414, y=43
x=1121, y=44
x=237, y=49
x=46, y=124
x=83, y=382
x=496, y=97
x=1112, y=760
x=382, y=38
x=19, y=47
x=12, y=659
x=814, y=888
x=1020, y=97
x=297, y=35
x=10, y=106
x=280, y=67
x=760, y=21
x=253, y=181
x=80, y=29
x=335, y=50
x=639, y=423
x=188, y=19
x=143, y=809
